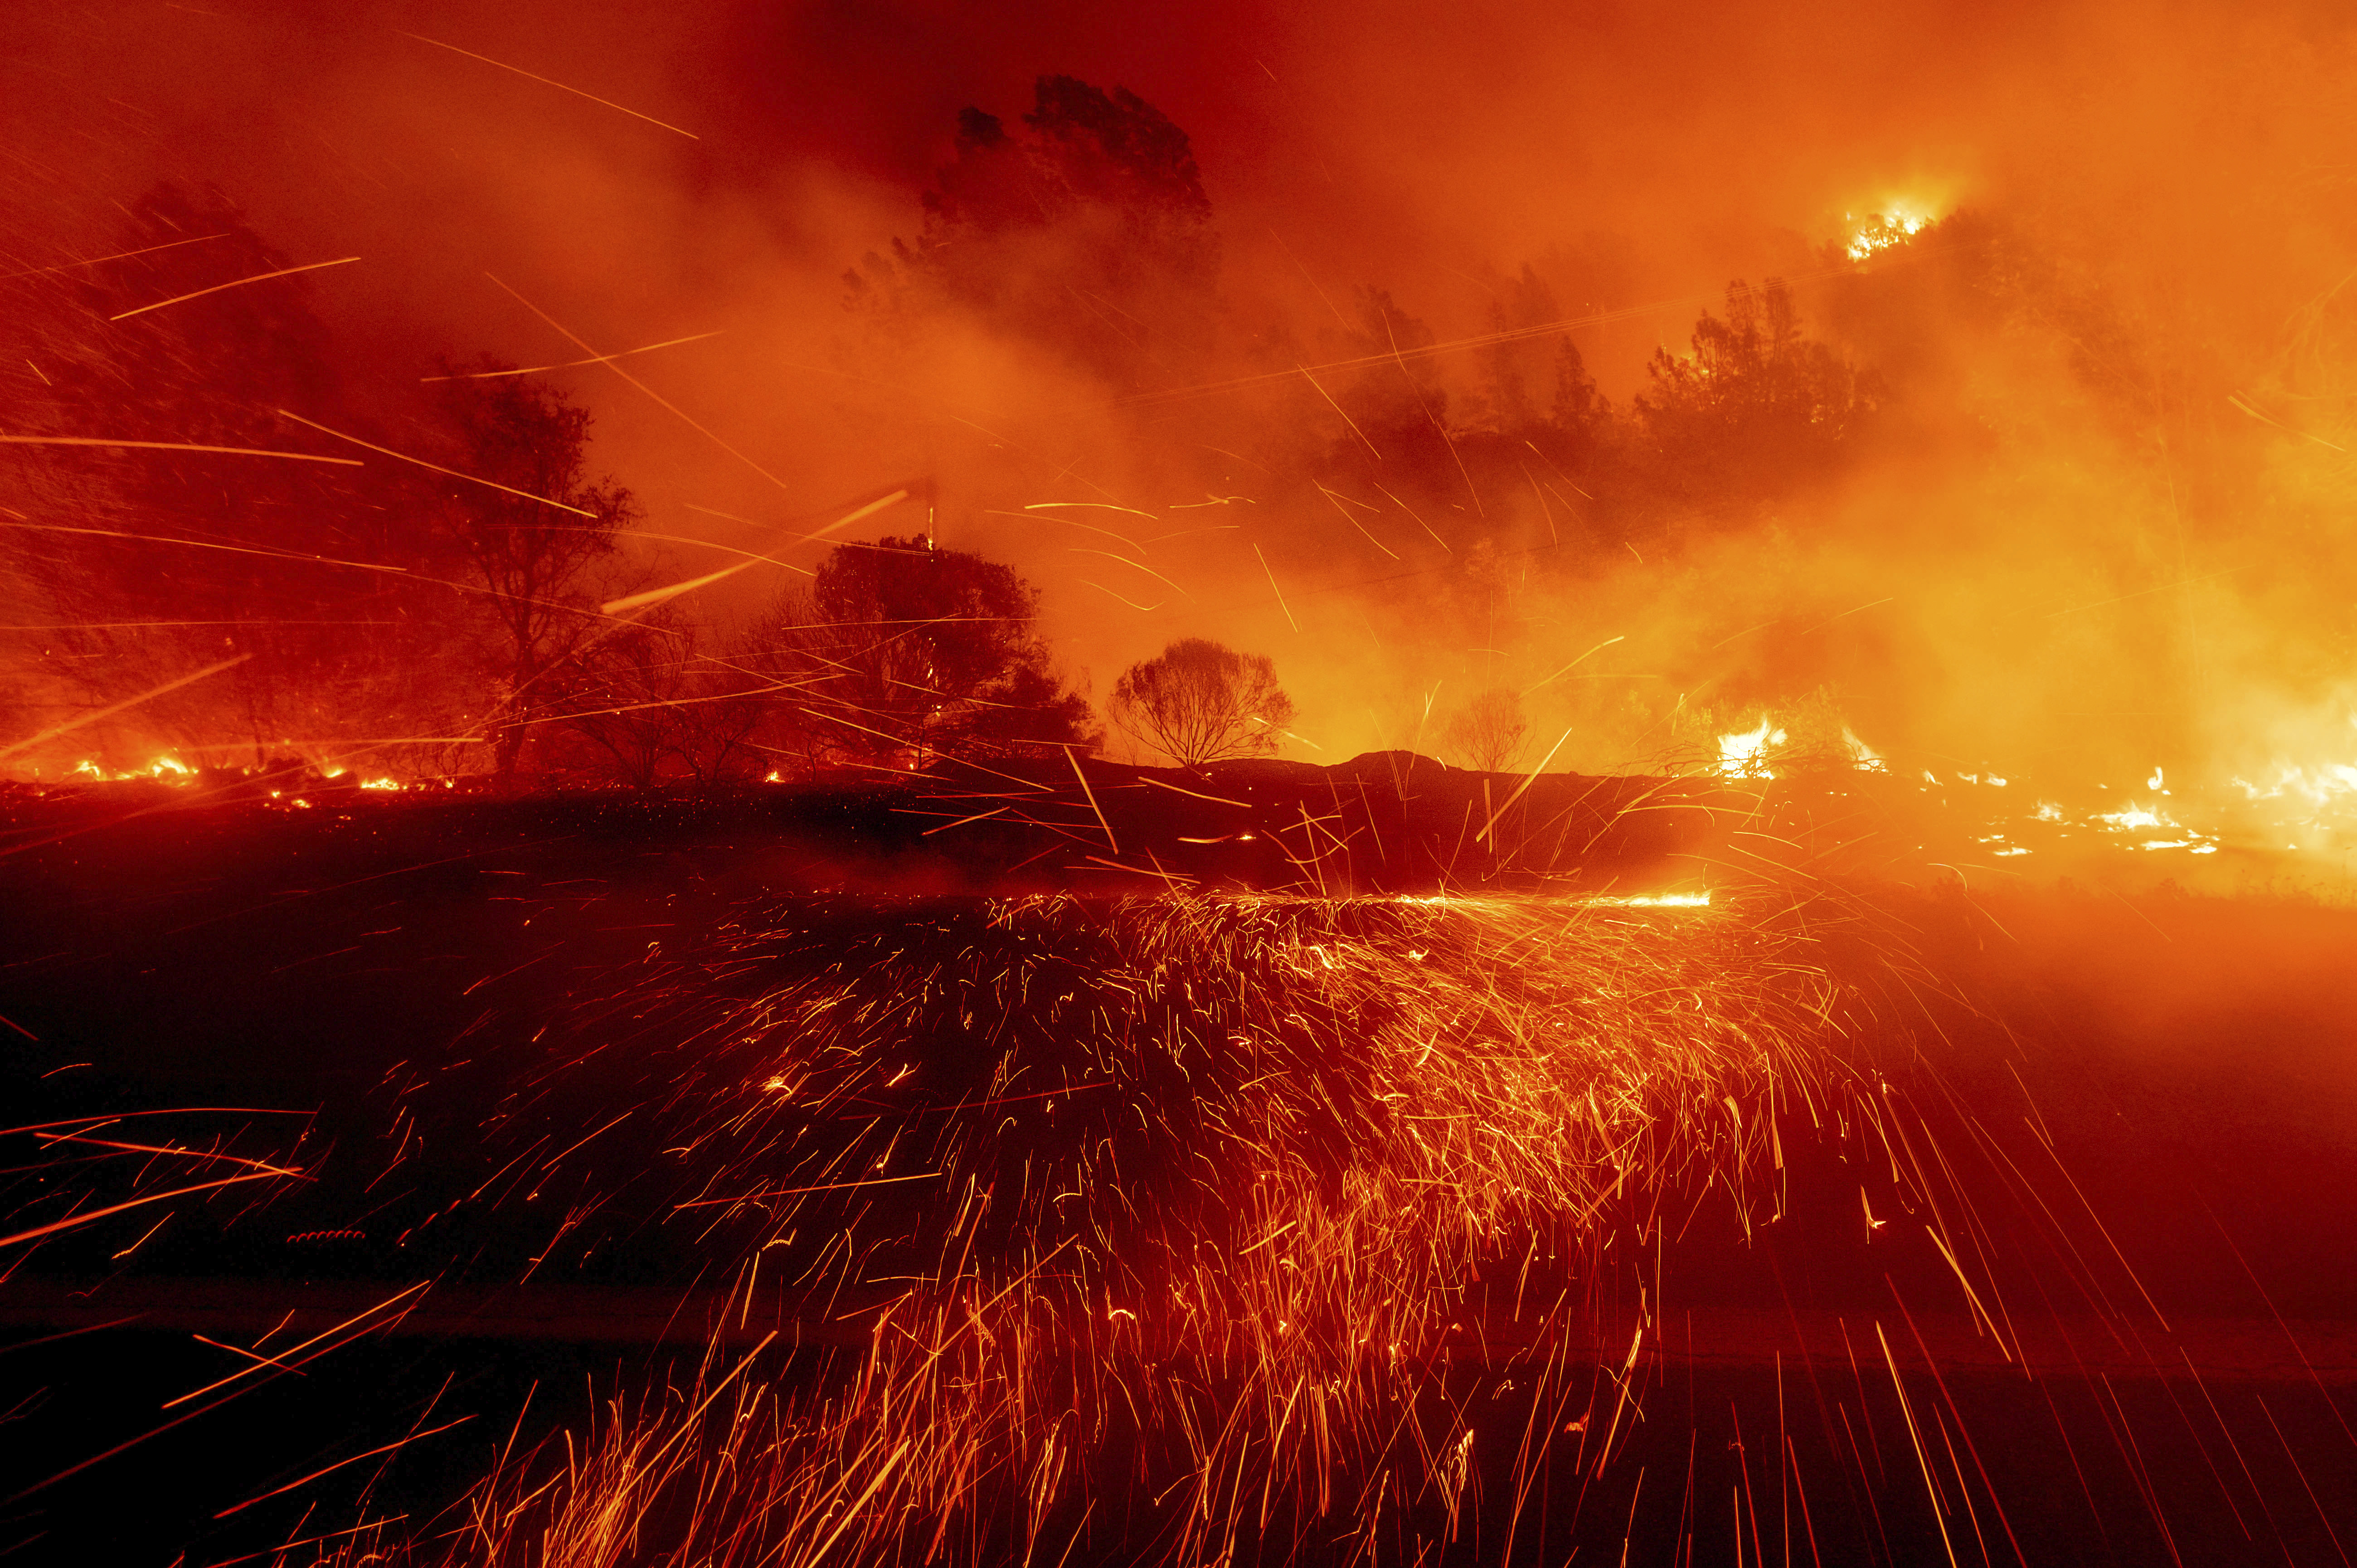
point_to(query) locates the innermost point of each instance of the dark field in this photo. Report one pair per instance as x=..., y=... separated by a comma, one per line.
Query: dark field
x=622, y=1180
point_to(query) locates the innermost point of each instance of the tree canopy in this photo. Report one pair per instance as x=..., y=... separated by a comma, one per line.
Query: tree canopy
x=239, y=539
x=534, y=530
x=1200, y=701
x=1086, y=232
x=1488, y=734
x=1757, y=407
x=900, y=652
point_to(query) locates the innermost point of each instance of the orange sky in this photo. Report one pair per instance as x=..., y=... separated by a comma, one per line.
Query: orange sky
x=1418, y=149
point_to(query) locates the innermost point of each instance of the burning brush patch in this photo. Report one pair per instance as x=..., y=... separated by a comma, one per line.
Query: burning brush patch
x=1161, y=1230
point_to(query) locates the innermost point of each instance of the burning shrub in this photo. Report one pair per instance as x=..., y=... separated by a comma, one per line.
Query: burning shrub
x=1348, y=1116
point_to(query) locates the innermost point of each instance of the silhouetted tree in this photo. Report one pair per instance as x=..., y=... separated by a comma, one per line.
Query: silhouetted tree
x=1397, y=401
x=155, y=561
x=1086, y=231
x=540, y=553
x=1579, y=416
x=900, y=652
x=1757, y=408
x=1488, y=733
x=645, y=707
x=1199, y=701
x=1516, y=367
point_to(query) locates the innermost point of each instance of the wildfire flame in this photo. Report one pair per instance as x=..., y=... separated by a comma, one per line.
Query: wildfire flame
x=1881, y=231
x=170, y=768
x=1744, y=754
x=1755, y=753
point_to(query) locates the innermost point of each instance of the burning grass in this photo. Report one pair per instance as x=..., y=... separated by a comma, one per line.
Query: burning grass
x=1178, y=1225
x=1259, y=1227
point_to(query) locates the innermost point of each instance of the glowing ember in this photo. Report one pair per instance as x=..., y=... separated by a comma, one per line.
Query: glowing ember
x=171, y=769
x=1651, y=901
x=1141, y=1135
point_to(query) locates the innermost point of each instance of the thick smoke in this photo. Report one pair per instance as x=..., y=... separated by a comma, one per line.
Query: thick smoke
x=2063, y=497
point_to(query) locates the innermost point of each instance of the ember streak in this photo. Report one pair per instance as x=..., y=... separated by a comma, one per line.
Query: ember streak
x=1275, y=786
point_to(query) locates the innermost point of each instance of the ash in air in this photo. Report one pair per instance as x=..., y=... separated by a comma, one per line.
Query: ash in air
x=808, y=785
x=1621, y=406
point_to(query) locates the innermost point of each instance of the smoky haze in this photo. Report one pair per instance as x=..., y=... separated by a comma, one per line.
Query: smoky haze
x=2063, y=497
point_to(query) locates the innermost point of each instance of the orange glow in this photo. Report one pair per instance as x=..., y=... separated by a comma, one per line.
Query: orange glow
x=1880, y=232
x=171, y=770
x=1715, y=510
x=1652, y=901
x=1745, y=755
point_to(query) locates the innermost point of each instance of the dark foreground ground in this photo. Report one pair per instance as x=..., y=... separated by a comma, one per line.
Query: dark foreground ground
x=2141, y=1112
